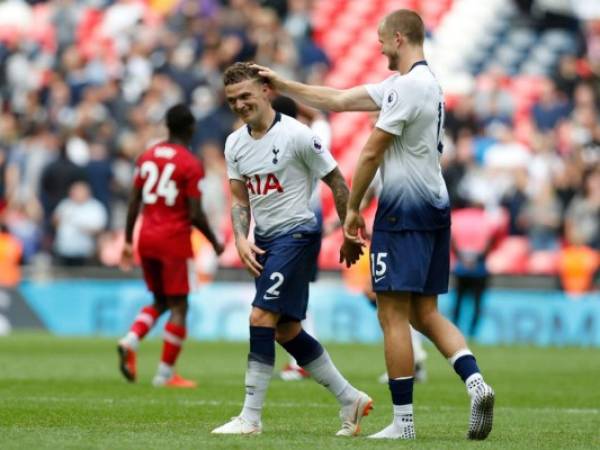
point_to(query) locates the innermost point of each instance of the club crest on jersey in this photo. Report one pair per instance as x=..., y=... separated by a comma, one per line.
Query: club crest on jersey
x=317, y=145
x=275, y=155
x=391, y=99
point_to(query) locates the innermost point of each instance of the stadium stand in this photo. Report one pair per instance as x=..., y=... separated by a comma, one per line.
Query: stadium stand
x=90, y=81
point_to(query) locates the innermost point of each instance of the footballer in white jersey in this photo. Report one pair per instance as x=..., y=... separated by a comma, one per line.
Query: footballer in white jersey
x=410, y=249
x=272, y=163
x=279, y=171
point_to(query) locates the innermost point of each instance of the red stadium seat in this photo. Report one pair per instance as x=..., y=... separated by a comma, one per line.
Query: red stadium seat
x=543, y=263
x=511, y=256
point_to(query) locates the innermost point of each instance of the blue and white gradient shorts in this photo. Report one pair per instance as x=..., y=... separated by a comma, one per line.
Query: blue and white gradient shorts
x=288, y=266
x=411, y=261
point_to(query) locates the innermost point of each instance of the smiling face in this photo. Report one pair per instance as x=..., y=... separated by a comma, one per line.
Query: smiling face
x=389, y=46
x=248, y=99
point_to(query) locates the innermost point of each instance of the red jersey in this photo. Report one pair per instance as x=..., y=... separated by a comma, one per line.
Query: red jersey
x=168, y=175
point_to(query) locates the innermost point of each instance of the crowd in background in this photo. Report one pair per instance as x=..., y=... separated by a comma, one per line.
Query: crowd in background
x=85, y=92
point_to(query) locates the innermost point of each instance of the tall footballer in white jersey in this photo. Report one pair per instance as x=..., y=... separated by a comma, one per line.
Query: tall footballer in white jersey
x=272, y=163
x=411, y=238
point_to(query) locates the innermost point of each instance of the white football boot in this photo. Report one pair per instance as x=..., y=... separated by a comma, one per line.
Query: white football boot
x=238, y=425
x=482, y=409
x=352, y=414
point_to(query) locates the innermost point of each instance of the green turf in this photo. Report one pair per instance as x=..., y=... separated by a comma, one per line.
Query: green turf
x=67, y=393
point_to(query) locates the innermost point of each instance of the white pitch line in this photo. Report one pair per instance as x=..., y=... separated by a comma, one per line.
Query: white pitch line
x=528, y=409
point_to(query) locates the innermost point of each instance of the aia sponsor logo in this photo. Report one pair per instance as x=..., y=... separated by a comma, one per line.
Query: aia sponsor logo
x=263, y=184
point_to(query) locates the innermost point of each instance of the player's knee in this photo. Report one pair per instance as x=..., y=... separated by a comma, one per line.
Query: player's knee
x=285, y=332
x=160, y=303
x=422, y=321
x=178, y=305
x=261, y=318
x=390, y=318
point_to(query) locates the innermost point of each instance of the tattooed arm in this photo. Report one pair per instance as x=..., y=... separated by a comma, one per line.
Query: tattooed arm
x=341, y=193
x=240, y=217
x=350, y=251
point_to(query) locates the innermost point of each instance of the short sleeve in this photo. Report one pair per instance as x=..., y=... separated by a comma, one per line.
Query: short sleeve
x=194, y=177
x=315, y=154
x=232, y=165
x=400, y=104
x=377, y=90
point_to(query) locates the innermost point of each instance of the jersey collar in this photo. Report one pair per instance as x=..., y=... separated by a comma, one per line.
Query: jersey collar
x=418, y=63
x=275, y=120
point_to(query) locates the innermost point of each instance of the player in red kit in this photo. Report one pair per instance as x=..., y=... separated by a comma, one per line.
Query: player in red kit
x=166, y=189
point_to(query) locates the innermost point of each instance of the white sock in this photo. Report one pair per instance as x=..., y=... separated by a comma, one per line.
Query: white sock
x=473, y=382
x=131, y=340
x=293, y=362
x=401, y=413
x=258, y=376
x=164, y=371
x=325, y=373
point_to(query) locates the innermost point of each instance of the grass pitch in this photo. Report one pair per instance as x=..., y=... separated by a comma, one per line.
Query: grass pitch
x=67, y=393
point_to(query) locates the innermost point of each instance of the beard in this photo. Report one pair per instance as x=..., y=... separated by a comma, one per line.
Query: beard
x=392, y=62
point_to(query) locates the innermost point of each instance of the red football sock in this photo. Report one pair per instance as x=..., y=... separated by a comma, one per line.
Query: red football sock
x=144, y=321
x=173, y=340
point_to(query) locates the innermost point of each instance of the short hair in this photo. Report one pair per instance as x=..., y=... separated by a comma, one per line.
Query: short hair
x=180, y=120
x=285, y=105
x=407, y=23
x=241, y=71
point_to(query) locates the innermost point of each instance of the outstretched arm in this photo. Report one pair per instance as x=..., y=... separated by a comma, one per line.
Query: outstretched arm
x=198, y=219
x=321, y=97
x=133, y=209
x=240, y=217
x=350, y=251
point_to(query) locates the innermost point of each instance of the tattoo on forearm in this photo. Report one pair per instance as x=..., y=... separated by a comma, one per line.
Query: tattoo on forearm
x=340, y=194
x=240, y=216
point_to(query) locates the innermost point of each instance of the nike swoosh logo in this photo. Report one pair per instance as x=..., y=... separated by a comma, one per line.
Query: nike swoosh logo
x=377, y=280
x=265, y=297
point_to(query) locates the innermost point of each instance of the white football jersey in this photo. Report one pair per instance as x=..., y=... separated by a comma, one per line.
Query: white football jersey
x=413, y=194
x=279, y=170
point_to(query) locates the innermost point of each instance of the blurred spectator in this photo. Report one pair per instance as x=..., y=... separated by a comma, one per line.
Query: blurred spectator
x=567, y=76
x=578, y=264
x=583, y=215
x=21, y=220
x=214, y=202
x=473, y=234
x=99, y=175
x=10, y=257
x=494, y=102
x=78, y=220
x=104, y=72
x=551, y=108
x=541, y=217
x=515, y=201
x=462, y=118
x=56, y=180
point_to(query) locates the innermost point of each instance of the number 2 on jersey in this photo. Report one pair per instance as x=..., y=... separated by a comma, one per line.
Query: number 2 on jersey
x=166, y=187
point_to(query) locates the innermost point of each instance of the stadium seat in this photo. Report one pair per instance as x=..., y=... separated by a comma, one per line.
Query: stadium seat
x=510, y=257
x=543, y=263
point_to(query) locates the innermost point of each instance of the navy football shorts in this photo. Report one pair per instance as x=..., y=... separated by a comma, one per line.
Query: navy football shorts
x=288, y=266
x=411, y=261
